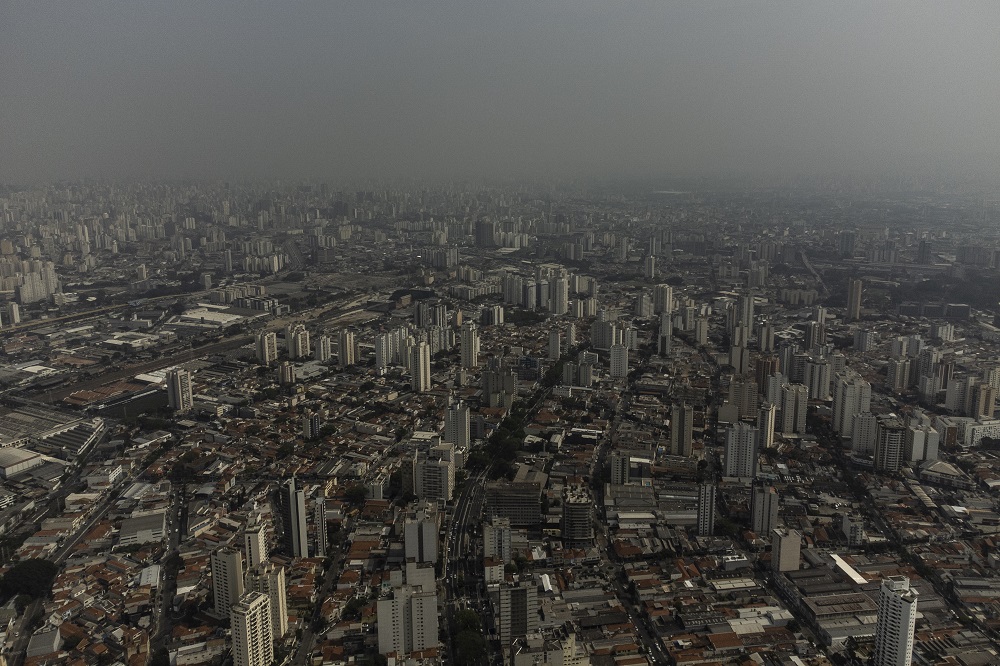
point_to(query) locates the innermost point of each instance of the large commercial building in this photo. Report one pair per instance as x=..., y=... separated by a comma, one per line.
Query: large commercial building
x=518, y=501
x=897, y=618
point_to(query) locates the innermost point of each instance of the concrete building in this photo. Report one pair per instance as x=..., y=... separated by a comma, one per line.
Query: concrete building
x=347, y=348
x=764, y=506
x=420, y=533
x=255, y=545
x=706, y=509
x=253, y=640
x=267, y=348
x=518, y=612
x=292, y=501
x=268, y=578
x=180, y=396
x=469, y=345
x=407, y=621
x=681, y=433
x=742, y=441
x=786, y=547
x=497, y=539
x=577, y=517
x=227, y=580
x=457, y=428
x=890, y=443
x=420, y=368
x=897, y=618
x=854, y=289
x=852, y=395
x=619, y=361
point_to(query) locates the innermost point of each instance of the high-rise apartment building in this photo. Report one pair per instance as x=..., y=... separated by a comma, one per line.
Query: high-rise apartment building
x=794, y=406
x=255, y=544
x=518, y=614
x=852, y=395
x=253, y=640
x=420, y=533
x=764, y=509
x=469, y=345
x=897, y=619
x=323, y=350
x=890, y=444
x=269, y=579
x=346, y=349
x=457, y=428
x=681, y=429
x=407, y=620
x=292, y=501
x=706, y=509
x=227, y=580
x=420, y=368
x=766, y=415
x=180, y=396
x=786, y=547
x=619, y=361
x=742, y=441
x=854, y=288
x=497, y=539
x=267, y=348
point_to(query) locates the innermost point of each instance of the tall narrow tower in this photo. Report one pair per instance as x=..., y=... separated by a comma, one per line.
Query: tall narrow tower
x=179, y=394
x=897, y=618
x=293, y=515
x=252, y=636
x=853, y=300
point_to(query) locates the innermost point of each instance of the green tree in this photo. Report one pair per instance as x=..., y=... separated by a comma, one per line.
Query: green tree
x=467, y=620
x=356, y=494
x=32, y=577
x=470, y=648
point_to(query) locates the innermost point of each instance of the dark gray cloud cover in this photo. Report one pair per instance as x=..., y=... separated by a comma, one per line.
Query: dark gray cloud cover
x=357, y=90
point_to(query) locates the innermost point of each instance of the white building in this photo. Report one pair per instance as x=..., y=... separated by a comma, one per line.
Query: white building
x=269, y=579
x=407, y=621
x=252, y=636
x=180, y=397
x=897, y=618
x=741, y=450
x=227, y=580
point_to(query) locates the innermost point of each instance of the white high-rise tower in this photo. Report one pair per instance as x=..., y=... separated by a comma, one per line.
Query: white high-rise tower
x=897, y=618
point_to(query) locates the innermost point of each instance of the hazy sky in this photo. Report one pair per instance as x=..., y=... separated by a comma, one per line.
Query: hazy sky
x=353, y=90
